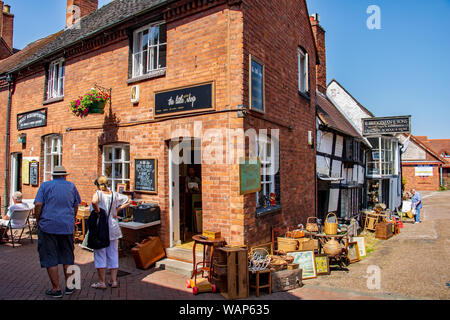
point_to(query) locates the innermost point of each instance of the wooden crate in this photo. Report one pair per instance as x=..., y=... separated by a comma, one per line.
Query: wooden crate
x=286, y=280
x=235, y=286
x=212, y=235
x=383, y=230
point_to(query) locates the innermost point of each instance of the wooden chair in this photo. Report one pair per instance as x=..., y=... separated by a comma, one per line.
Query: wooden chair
x=257, y=281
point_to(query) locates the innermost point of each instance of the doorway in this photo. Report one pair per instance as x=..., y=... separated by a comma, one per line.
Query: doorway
x=16, y=174
x=185, y=190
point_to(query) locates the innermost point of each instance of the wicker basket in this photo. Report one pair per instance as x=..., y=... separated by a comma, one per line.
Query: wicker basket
x=296, y=234
x=331, y=228
x=312, y=226
x=287, y=244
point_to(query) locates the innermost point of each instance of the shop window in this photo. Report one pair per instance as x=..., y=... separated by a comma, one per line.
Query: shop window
x=266, y=153
x=149, y=49
x=256, y=85
x=116, y=165
x=52, y=155
x=55, y=80
x=382, y=159
x=303, y=72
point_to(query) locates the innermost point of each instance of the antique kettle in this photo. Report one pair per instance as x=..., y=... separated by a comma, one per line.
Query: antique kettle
x=332, y=247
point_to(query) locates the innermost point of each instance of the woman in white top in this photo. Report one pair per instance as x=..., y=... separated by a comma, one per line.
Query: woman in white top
x=108, y=258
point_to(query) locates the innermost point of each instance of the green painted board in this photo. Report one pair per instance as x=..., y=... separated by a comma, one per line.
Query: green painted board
x=250, y=176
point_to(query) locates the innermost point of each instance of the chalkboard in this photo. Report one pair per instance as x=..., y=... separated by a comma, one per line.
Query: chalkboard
x=185, y=100
x=250, y=176
x=145, y=175
x=34, y=173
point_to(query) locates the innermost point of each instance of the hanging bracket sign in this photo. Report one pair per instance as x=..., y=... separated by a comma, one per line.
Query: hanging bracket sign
x=386, y=125
x=32, y=119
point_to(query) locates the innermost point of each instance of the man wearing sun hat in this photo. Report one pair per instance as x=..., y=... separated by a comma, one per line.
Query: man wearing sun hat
x=56, y=207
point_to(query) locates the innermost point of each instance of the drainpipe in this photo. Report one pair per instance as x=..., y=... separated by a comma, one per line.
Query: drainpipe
x=8, y=79
x=442, y=176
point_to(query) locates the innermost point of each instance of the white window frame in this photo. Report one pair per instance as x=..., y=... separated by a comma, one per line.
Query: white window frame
x=149, y=52
x=266, y=161
x=303, y=70
x=55, y=79
x=56, y=144
x=113, y=180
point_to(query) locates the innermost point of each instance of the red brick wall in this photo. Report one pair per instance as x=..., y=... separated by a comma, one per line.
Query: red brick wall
x=420, y=183
x=8, y=27
x=86, y=7
x=273, y=31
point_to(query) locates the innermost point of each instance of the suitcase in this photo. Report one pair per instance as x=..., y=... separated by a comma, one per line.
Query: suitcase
x=146, y=213
x=148, y=252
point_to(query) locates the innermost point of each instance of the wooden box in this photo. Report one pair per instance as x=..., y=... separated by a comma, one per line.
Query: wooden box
x=234, y=283
x=383, y=230
x=212, y=235
x=305, y=244
x=286, y=280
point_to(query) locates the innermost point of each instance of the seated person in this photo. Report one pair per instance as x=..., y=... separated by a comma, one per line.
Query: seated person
x=17, y=206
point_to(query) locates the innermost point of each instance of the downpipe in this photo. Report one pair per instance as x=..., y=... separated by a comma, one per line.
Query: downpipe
x=8, y=79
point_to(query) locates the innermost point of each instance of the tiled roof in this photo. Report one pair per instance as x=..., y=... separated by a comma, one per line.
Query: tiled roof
x=111, y=14
x=440, y=146
x=333, y=118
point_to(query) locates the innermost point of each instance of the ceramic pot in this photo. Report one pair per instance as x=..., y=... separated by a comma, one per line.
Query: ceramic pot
x=332, y=247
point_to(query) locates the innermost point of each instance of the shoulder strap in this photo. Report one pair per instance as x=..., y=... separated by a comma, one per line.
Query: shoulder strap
x=111, y=204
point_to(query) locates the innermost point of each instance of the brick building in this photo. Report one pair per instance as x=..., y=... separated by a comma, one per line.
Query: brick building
x=422, y=166
x=252, y=64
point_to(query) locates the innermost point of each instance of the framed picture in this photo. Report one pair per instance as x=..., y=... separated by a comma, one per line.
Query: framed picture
x=353, y=252
x=121, y=187
x=322, y=264
x=361, y=245
x=306, y=262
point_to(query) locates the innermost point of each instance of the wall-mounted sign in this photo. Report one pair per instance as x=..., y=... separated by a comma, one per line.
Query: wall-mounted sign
x=33, y=119
x=185, y=100
x=386, y=125
x=250, y=176
x=145, y=175
x=256, y=85
x=25, y=171
x=34, y=173
x=424, y=171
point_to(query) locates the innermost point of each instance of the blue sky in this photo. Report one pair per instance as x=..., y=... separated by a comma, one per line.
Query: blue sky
x=402, y=69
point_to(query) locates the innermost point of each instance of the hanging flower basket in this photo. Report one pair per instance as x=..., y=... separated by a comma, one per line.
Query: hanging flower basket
x=92, y=102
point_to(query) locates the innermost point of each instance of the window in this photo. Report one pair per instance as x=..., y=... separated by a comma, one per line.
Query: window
x=52, y=155
x=303, y=71
x=256, y=85
x=382, y=160
x=55, y=79
x=116, y=165
x=265, y=151
x=149, y=49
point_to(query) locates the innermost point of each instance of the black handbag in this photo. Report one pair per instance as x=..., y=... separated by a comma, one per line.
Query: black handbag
x=98, y=227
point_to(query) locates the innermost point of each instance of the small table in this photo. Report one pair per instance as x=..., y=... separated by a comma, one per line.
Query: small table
x=323, y=238
x=82, y=215
x=257, y=286
x=137, y=226
x=211, y=244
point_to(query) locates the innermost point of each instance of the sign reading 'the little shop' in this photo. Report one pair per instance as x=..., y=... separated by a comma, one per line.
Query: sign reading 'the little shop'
x=185, y=100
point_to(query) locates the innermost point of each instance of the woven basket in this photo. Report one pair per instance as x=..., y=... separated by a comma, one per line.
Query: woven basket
x=312, y=226
x=287, y=244
x=296, y=234
x=331, y=228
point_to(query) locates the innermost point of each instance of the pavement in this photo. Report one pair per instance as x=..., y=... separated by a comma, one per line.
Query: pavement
x=414, y=265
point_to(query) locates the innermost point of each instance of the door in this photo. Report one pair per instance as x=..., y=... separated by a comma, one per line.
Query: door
x=174, y=179
x=16, y=174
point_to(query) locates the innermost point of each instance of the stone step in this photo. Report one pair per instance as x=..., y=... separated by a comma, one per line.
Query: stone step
x=175, y=266
x=183, y=254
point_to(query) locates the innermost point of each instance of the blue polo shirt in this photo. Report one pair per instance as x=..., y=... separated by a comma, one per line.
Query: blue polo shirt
x=59, y=198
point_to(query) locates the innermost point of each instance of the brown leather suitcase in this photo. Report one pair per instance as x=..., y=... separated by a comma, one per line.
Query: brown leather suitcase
x=148, y=252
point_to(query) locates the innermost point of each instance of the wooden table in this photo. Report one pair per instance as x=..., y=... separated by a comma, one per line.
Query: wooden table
x=324, y=238
x=82, y=215
x=137, y=226
x=206, y=265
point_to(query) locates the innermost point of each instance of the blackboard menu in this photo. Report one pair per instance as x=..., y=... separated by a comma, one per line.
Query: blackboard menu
x=386, y=125
x=34, y=173
x=184, y=100
x=33, y=119
x=257, y=85
x=145, y=178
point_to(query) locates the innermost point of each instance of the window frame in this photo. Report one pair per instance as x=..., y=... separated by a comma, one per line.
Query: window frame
x=56, y=68
x=263, y=98
x=52, y=138
x=113, y=181
x=264, y=160
x=303, y=70
x=157, y=46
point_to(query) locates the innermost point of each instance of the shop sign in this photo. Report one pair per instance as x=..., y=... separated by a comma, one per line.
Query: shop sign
x=185, y=100
x=424, y=171
x=250, y=176
x=145, y=177
x=33, y=119
x=386, y=125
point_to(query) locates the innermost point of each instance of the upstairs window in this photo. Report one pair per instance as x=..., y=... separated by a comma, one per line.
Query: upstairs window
x=149, y=49
x=55, y=79
x=303, y=71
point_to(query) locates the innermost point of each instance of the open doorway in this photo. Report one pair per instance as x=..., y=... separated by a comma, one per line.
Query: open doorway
x=16, y=174
x=185, y=190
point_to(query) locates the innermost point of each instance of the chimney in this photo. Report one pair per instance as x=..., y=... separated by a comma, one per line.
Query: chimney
x=77, y=9
x=319, y=36
x=6, y=24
